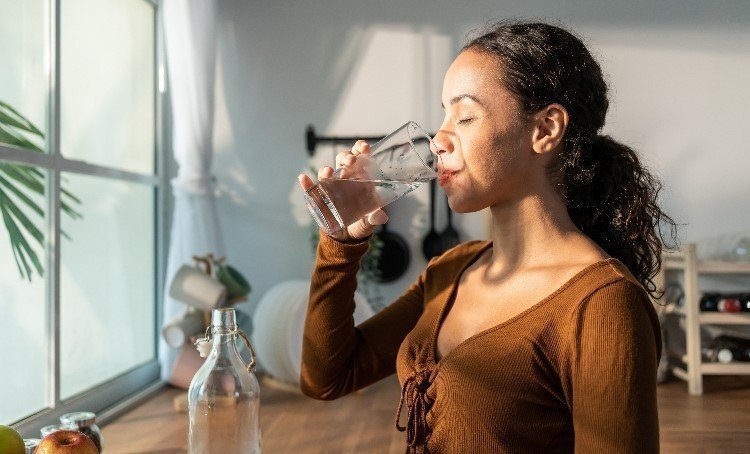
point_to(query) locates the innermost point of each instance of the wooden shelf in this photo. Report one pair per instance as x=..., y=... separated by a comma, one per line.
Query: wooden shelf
x=724, y=267
x=686, y=263
x=724, y=318
x=708, y=267
x=725, y=369
x=714, y=318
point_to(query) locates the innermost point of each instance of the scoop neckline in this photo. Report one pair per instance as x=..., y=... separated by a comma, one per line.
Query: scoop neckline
x=448, y=303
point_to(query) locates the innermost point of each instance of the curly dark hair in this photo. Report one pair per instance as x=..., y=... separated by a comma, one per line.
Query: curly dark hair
x=610, y=196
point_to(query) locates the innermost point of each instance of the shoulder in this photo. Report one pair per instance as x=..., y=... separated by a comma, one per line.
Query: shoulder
x=607, y=282
x=618, y=308
x=616, y=293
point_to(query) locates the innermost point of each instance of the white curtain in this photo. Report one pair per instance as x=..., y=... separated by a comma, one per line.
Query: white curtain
x=190, y=42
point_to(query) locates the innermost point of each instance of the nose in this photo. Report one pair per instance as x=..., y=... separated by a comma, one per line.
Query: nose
x=442, y=143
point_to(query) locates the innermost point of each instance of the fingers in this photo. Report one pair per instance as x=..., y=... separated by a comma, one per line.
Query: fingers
x=367, y=224
x=345, y=158
x=325, y=172
x=305, y=182
x=360, y=229
x=359, y=147
x=377, y=217
x=348, y=157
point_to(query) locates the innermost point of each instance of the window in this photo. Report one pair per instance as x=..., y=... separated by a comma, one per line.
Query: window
x=82, y=192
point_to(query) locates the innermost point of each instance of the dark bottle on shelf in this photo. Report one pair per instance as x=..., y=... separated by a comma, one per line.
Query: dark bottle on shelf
x=745, y=302
x=709, y=302
x=717, y=355
x=729, y=304
x=738, y=346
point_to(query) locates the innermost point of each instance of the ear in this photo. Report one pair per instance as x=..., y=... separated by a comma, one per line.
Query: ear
x=549, y=128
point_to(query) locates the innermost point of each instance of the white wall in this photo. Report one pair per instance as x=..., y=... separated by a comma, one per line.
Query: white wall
x=678, y=75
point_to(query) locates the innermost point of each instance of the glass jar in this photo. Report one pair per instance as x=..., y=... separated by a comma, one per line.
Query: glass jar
x=85, y=422
x=46, y=430
x=30, y=444
x=224, y=395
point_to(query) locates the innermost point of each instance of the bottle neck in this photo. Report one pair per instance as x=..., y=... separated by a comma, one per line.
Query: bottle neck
x=224, y=340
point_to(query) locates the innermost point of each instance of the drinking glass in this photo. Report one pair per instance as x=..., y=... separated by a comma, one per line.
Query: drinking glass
x=398, y=164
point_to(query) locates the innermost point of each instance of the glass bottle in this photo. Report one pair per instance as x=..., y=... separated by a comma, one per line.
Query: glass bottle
x=224, y=396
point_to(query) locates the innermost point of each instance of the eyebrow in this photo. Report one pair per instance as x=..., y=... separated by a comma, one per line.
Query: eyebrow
x=458, y=98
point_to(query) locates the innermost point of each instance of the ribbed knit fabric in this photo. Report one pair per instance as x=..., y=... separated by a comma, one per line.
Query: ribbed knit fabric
x=576, y=372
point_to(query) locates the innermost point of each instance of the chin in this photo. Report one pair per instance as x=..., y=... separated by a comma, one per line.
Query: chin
x=462, y=205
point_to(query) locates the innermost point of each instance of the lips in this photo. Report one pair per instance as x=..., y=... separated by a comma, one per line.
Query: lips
x=446, y=175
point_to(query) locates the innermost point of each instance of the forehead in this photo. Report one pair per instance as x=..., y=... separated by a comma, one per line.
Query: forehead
x=474, y=73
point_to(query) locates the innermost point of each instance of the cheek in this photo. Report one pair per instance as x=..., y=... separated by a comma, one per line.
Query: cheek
x=495, y=171
x=501, y=159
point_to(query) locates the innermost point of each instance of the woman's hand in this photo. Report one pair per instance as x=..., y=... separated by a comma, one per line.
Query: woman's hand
x=346, y=160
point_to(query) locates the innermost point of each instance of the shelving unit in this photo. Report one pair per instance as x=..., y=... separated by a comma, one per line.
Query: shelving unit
x=687, y=263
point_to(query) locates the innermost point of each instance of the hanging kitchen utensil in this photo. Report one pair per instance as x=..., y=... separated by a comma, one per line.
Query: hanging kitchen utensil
x=394, y=256
x=432, y=244
x=450, y=237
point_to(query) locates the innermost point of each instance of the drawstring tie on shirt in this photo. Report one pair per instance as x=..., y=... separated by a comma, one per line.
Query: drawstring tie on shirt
x=413, y=394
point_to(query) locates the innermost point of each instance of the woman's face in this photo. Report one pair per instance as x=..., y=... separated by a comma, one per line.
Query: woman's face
x=485, y=139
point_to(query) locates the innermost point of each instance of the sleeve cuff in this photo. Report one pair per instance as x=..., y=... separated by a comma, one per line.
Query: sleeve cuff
x=333, y=248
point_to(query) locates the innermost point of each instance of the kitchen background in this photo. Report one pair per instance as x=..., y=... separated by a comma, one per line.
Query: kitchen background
x=677, y=72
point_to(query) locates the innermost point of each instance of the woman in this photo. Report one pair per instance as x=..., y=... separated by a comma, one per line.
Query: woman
x=543, y=339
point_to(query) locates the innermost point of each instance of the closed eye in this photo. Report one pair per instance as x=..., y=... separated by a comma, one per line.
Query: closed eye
x=465, y=121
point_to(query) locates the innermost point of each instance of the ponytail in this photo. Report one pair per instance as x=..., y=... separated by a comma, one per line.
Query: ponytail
x=613, y=201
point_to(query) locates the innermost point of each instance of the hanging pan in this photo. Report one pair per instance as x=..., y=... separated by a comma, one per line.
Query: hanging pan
x=394, y=256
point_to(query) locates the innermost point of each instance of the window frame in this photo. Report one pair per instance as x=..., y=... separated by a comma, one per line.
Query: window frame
x=112, y=397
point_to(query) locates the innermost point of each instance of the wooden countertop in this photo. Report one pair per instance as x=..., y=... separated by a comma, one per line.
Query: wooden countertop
x=717, y=422
x=289, y=423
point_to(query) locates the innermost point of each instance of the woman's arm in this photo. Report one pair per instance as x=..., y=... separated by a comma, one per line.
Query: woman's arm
x=337, y=357
x=611, y=381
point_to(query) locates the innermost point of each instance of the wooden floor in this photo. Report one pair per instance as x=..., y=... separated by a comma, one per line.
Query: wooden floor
x=717, y=422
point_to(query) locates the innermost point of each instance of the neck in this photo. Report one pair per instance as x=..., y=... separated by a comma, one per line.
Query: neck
x=532, y=231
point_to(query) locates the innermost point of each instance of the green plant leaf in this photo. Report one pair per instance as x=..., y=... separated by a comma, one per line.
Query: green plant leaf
x=18, y=173
x=22, y=218
x=11, y=137
x=21, y=243
x=21, y=247
x=10, y=116
x=70, y=195
x=9, y=121
x=14, y=247
x=22, y=196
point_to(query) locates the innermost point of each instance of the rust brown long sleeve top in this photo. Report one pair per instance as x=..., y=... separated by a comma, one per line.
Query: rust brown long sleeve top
x=574, y=373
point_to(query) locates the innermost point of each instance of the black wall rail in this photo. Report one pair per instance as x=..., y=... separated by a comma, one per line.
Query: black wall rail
x=312, y=140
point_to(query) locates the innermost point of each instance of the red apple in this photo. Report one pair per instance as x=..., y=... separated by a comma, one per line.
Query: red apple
x=66, y=442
